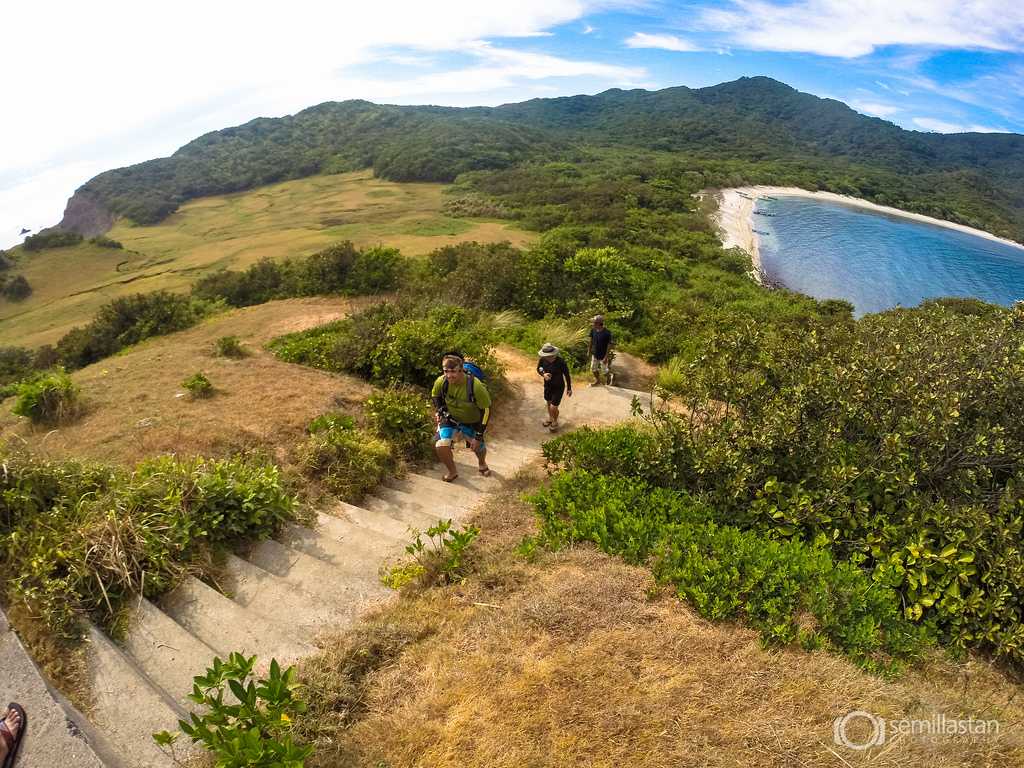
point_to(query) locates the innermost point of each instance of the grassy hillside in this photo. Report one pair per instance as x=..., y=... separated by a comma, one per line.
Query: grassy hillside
x=293, y=218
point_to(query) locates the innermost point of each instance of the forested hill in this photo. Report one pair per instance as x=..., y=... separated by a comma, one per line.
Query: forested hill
x=751, y=130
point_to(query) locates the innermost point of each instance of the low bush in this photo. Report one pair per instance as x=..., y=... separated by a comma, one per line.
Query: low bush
x=404, y=418
x=47, y=398
x=789, y=590
x=15, y=363
x=105, y=242
x=82, y=540
x=393, y=344
x=347, y=461
x=5, y=261
x=198, y=385
x=16, y=288
x=51, y=238
x=440, y=559
x=254, y=729
x=129, y=320
x=229, y=346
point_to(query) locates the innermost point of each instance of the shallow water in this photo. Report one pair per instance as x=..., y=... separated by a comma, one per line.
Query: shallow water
x=878, y=261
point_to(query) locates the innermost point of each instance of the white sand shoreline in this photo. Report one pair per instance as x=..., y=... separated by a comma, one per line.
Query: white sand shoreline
x=736, y=213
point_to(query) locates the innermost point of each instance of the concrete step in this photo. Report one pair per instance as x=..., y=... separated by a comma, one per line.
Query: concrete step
x=470, y=479
x=168, y=654
x=371, y=520
x=412, y=511
x=353, y=560
x=226, y=626
x=281, y=601
x=438, y=498
x=127, y=707
x=345, y=530
x=54, y=736
x=320, y=578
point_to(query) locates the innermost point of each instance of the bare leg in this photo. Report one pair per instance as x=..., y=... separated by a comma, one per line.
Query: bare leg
x=553, y=414
x=482, y=460
x=12, y=720
x=444, y=455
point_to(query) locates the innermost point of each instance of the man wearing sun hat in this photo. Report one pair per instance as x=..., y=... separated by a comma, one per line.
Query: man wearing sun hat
x=557, y=382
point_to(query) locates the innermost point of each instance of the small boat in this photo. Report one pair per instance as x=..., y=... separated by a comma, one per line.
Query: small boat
x=765, y=213
x=744, y=194
x=760, y=231
x=767, y=197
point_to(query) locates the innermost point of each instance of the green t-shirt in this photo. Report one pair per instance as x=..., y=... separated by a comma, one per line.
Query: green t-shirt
x=458, y=403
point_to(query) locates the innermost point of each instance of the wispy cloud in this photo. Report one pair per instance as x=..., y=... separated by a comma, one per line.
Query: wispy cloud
x=942, y=126
x=875, y=108
x=587, y=29
x=666, y=42
x=852, y=28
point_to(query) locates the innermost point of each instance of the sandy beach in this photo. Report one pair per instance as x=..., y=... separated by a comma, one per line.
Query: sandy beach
x=736, y=208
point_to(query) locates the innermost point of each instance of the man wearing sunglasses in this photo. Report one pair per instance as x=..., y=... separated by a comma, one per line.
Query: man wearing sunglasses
x=462, y=408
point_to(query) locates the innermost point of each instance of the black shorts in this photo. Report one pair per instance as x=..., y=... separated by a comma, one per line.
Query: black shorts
x=553, y=393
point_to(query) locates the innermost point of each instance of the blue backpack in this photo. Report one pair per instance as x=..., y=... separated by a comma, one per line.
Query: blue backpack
x=473, y=372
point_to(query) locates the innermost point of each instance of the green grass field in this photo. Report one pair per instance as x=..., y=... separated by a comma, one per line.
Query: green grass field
x=294, y=218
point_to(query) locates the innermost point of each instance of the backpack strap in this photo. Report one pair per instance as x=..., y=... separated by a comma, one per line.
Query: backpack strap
x=470, y=394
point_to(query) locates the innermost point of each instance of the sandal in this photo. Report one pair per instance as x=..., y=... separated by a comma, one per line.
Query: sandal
x=546, y=423
x=485, y=471
x=450, y=478
x=13, y=740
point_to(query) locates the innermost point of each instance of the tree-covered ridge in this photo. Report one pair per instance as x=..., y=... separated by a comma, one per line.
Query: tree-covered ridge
x=753, y=130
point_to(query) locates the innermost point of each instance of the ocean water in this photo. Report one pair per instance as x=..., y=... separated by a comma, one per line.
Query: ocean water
x=877, y=261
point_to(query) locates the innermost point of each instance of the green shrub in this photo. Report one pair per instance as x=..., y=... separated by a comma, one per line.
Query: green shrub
x=315, y=347
x=15, y=363
x=198, y=385
x=51, y=238
x=441, y=559
x=776, y=586
x=47, y=399
x=254, y=730
x=5, y=261
x=126, y=321
x=229, y=346
x=105, y=242
x=404, y=418
x=375, y=270
x=17, y=288
x=347, y=461
x=80, y=540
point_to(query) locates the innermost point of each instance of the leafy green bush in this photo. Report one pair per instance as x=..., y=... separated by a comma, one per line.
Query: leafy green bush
x=375, y=270
x=393, y=344
x=51, y=238
x=346, y=460
x=129, y=320
x=229, y=346
x=17, y=288
x=82, y=540
x=897, y=440
x=440, y=559
x=105, y=242
x=15, y=363
x=254, y=731
x=48, y=398
x=198, y=385
x=789, y=590
x=404, y=418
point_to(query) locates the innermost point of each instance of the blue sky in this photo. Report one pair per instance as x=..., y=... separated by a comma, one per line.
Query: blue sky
x=119, y=83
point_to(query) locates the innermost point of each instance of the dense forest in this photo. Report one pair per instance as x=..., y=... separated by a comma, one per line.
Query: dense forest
x=755, y=130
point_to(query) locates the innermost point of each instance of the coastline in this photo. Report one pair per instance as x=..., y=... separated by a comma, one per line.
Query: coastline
x=735, y=217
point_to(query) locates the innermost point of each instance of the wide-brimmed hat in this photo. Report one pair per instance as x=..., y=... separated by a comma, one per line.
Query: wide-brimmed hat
x=597, y=319
x=547, y=350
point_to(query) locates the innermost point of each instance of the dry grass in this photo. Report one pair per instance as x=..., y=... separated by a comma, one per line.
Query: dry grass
x=294, y=218
x=132, y=407
x=576, y=660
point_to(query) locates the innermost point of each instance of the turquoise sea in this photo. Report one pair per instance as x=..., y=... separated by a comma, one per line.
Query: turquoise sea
x=878, y=261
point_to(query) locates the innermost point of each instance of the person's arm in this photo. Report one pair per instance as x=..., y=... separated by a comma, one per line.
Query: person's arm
x=568, y=377
x=483, y=402
x=437, y=398
x=590, y=344
x=540, y=369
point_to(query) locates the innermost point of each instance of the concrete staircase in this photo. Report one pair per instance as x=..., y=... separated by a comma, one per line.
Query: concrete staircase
x=274, y=603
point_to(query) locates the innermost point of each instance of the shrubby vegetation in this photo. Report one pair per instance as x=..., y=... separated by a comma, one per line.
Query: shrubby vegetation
x=403, y=417
x=47, y=398
x=106, y=242
x=229, y=346
x=126, y=321
x=393, y=343
x=895, y=442
x=198, y=385
x=346, y=460
x=244, y=720
x=16, y=288
x=438, y=559
x=337, y=269
x=79, y=539
x=51, y=238
x=789, y=590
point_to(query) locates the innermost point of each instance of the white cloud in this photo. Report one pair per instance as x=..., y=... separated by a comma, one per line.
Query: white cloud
x=666, y=42
x=851, y=28
x=943, y=126
x=587, y=29
x=875, y=108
